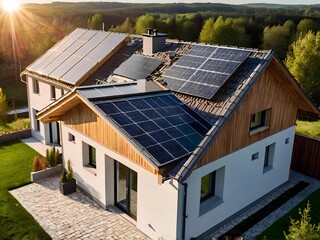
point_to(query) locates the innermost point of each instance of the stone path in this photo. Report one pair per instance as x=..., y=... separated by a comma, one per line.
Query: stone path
x=74, y=216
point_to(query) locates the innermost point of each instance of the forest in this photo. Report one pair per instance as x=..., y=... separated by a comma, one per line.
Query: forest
x=36, y=27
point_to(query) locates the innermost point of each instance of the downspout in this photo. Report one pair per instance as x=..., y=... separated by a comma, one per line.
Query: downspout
x=184, y=213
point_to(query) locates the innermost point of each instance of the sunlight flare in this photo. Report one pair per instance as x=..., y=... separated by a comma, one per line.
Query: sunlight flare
x=10, y=5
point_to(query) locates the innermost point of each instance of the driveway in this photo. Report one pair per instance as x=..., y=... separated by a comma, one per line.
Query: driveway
x=74, y=216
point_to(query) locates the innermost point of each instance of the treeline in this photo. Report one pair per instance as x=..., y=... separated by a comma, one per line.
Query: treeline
x=39, y=26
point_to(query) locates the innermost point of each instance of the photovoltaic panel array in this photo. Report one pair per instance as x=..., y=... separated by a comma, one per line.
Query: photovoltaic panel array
x=137, y=67
x=159, y=123
x=75, y=55
x=204, y=69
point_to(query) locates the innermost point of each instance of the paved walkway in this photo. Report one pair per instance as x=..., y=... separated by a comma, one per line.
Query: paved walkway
x=74, y=216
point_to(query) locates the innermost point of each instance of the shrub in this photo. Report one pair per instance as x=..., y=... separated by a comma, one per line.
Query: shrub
x=63, y=177
x=39, y=164
x=70, y=171
x=303, y=229
x=53, y=156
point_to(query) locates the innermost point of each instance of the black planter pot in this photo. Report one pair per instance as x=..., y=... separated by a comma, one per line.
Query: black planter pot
x=68, y=187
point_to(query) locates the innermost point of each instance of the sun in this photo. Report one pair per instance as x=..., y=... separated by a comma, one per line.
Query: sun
x=10, y=5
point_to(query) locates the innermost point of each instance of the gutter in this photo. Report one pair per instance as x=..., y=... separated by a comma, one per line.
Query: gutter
x=184, y=213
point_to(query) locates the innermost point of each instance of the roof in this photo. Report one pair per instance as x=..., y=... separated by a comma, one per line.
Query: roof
x=158, y=123
x=211, y=80
x=75, y=56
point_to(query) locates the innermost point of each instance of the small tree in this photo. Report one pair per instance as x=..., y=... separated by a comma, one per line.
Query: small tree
x=303, y=229
x=3, y=107
x=70, y=171
x=95, y=22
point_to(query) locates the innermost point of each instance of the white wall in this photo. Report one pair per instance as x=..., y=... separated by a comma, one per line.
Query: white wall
x=244, y=181
x=157, y=204
x=38, y=101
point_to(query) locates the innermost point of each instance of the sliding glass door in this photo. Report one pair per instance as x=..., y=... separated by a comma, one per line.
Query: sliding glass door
x=126, y=189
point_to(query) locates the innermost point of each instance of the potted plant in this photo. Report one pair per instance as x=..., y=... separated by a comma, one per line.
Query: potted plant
x=67, y=182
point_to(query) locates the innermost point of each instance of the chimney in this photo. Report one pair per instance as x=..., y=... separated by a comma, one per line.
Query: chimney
x=153, y=41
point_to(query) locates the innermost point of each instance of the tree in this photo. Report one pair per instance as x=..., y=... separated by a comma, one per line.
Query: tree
x=303, y=63
x=95, y=22
x=3, y=107
x=225, y=32
x=276, y=38
x=304, y=26
x=125, y=27
x=144, y=22
x=303, y=229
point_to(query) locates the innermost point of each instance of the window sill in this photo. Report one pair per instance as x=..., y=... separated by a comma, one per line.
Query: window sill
x=258, y=130
x=267, y=169
x=90, y=169
x=209, y=204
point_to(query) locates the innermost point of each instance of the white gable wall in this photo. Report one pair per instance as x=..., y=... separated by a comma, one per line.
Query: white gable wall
x=244, y=181
x=37, y=101
x=157, y=204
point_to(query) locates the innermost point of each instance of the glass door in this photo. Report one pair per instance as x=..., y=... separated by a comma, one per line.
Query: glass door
x=126, y=189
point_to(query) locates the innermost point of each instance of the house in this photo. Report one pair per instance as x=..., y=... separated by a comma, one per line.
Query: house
x=179, y=136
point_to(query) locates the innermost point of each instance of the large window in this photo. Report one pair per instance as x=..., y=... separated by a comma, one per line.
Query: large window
x=211, y=193
x=35, y=86
x=92, y=156
x=269, y=157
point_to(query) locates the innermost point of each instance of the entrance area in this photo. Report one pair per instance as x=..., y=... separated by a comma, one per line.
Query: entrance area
x=126, y=189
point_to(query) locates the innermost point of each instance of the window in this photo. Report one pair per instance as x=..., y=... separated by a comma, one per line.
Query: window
x=92, y=156
x=71, y=137
x=255, y=156
x=258, y=120
x=268, y=157
x=35, y=86
x=208, y=184
x=36, y=122
x=211, y=193
x=287, y=141
x=53, y=92
x=62, y=91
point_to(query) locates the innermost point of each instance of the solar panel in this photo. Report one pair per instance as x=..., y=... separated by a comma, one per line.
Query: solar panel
x=204, y=69
x=158, y=122
x=78, y=53
x=137, y=67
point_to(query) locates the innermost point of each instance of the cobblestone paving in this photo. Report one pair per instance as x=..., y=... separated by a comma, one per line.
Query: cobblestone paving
x=74, y=216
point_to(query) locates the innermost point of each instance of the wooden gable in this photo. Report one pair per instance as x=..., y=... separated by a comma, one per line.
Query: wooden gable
x=268, y=92
x=84, y=120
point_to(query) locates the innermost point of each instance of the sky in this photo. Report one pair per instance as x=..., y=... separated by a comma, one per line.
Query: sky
x=190, y=1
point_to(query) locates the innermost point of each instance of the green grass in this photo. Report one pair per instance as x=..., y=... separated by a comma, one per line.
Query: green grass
x=15, y=167
x=19, y=124
x=311, y=129
x=12, y=87
x=275, y=231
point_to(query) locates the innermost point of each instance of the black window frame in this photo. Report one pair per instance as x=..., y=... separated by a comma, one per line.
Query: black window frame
x=35, y=86
x=211, y=187
x=92, y=156
x=266, y=161
x=36, y=121
x=262, y=122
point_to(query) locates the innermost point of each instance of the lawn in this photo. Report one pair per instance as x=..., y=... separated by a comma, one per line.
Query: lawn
x=19, y=124
x=311, y=129
x=15, y=167
x=275, y=231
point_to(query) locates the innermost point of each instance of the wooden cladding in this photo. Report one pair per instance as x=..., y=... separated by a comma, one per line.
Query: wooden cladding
x=306, y=156
x=82, y=119
x=267, y=93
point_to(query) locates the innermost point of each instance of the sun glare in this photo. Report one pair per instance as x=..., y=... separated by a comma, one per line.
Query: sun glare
x=10, y=5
